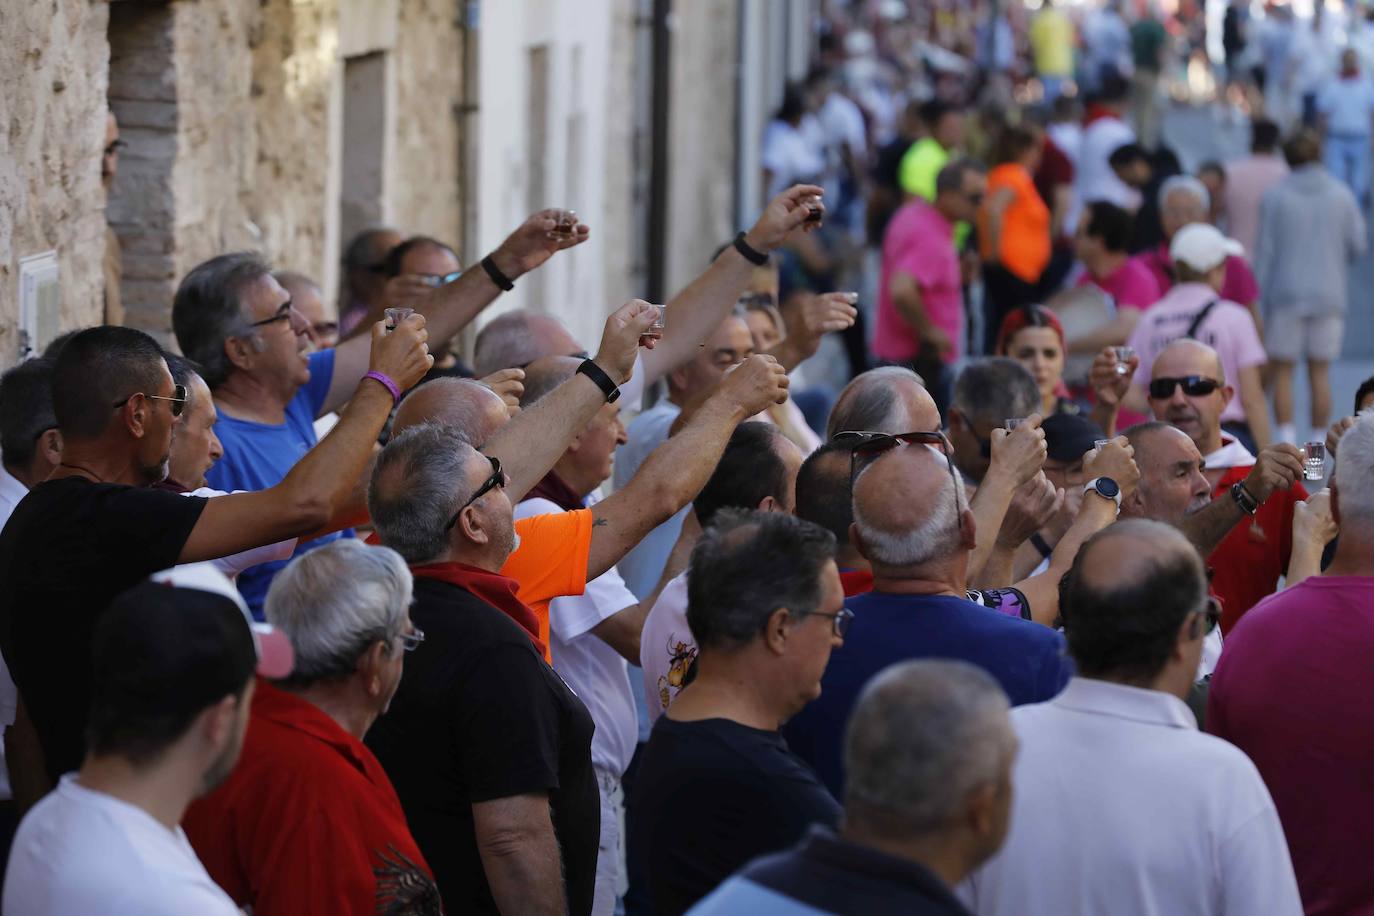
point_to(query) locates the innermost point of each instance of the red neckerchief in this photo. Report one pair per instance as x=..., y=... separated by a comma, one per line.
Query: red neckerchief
x=856, y=581
x=493, y=588
x=557, y=492
x=171, y=486
x=1097, y=112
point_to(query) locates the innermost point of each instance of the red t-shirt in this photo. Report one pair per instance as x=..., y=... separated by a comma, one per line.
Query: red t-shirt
x=1292, y=691
x=1247, y=564
x=308, y=822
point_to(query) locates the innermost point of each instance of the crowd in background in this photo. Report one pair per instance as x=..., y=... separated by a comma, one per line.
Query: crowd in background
x=948, y=545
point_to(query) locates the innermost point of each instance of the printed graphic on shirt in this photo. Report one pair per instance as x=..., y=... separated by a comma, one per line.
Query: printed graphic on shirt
x=681, y=655
x=1008, y=601
x=403, y=888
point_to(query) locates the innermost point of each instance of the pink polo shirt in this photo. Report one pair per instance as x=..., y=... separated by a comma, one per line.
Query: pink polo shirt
x=919, y=243
x=1131, y=286
x=1229, y=329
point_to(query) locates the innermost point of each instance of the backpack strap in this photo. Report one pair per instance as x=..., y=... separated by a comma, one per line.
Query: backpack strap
x=1199, y=318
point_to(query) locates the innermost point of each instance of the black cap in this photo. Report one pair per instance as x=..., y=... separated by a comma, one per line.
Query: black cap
x=169, y=650
x=1068, y=437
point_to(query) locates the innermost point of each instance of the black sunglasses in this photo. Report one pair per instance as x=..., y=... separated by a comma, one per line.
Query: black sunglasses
x=1210, y=616
x=1195, y=386
x=864, y=446
x=178, y=399
x=497, y=479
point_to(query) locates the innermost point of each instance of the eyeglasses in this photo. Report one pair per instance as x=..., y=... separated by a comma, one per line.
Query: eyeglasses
x=283, y=314
x=754, y=301
x=178, y=399
x=497, y=479
x=411, y=641
x=325, y=328
x=1210, y=615
x=839, y=621
x=1195, y=386
x=440, y=279
x=115, y=147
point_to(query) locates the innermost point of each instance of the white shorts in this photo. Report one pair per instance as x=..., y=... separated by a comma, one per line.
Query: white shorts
x=1290, y=338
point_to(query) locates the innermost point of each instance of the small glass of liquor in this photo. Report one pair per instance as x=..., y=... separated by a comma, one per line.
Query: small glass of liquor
x=395, y=316
x=1099, y=443
x=815, y=210
x=1123, y=357
x=1314, y=461
x=1011, y=423
x=660, y=322
x=566, y=225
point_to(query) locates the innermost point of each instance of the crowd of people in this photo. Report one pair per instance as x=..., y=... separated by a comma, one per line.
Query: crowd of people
x=1036, y=612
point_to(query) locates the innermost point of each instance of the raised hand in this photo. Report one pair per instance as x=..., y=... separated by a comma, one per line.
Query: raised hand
x=509, y=384
x=1277, y=467
x=1116, y=460
x=406, y=290
x=1313, y=523
x=625, y=330
x=810, y=318
x=532, y=244
x=1034, y=505
x=1333, y=435
x=402, y=355
x=783, y=215
x=1019, y=455
x=1109, y=385
x=754, y=384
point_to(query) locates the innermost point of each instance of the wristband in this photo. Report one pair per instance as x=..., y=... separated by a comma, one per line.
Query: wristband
x=387, y=382
x=751, y=254
x=591, y=370
x=497, y=277
x=1247, y=502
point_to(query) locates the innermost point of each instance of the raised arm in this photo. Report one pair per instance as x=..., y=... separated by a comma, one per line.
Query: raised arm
x=1277, y=467
x=1313, y=528
x=534, y=439
x=696, y=311
x=1016, y=458
x=675, y=472
x=453, y=306
x=322, y=480
x=1110, y=387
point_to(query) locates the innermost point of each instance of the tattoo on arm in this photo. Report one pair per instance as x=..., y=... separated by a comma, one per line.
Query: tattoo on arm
x=600, y=522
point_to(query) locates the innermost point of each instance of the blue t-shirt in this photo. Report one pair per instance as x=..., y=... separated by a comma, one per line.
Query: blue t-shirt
x=1026, y=658
x=259, y=455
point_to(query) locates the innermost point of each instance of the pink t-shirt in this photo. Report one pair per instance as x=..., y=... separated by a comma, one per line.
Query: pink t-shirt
x=1239, y=285
x=1247, y=180
x=1132, y=285
x=1229, y=329
x=919, y=243
x=1292, y=691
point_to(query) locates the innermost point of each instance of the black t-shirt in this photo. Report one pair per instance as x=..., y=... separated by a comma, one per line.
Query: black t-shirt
x=710, y=796
x=480, y=715
x=70, y=548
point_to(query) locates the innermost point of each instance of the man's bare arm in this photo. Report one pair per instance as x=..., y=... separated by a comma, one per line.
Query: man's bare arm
x=621, y=631
x=520, y=855
x=1277, y=467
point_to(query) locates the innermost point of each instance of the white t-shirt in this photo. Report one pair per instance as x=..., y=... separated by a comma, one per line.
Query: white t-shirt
x=1096, y=180
x=598, y=674
x=666, y=647
x=236, y=563
x=82, y=852
x=790, y=157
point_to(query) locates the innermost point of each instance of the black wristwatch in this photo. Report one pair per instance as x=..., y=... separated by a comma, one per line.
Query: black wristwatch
x=591, y=370
x=1248, y=504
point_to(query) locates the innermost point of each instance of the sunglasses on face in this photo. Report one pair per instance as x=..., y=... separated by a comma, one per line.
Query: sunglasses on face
x=497, y=479
x=1194, y=386
x=178, y=399
x=440, y=279
x=1207, y=619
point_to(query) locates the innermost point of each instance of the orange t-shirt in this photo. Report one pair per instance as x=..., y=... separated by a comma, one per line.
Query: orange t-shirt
x=1025, y=242
x=550, y=561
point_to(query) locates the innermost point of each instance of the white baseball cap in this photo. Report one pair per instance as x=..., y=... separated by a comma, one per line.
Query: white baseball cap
x=275, y=655
x=1202, y=246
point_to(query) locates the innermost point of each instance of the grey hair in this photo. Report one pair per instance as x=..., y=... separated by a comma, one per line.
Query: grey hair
x=923, y=736
x=1188, y=183
x=951, y=177
x=931, y=540
x=504, y=343
x=206, y=311
x=417, y=485
x=335, y=602
x=871, y=402
x=1354, y=475
x=994, y=388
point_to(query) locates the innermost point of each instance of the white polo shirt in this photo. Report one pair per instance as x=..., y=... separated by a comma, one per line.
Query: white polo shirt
x=595, y=672
x=1122, y=806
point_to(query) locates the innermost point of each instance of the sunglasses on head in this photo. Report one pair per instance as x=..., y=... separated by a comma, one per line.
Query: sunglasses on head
x=177, y=400
x=497, y=479
x=1195, y=386
x=865, y=446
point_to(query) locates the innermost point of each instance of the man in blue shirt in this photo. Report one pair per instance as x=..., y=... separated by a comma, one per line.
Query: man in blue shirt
x=913, y=525
x=237, y=322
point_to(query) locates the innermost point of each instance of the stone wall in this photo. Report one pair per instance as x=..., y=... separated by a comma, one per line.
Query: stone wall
x=53, y=65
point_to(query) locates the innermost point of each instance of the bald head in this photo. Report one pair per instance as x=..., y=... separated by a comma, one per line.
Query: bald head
x=518, y=338
x=465, y=406
x=544, y=375
x=907, y=509
x=888, y=399
x=1198, y=414
x=1186, y=356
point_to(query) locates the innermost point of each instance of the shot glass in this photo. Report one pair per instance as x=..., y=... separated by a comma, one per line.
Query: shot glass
x=1314, y=461
x=853, y=298
x=815, y=210
x=566, y=226
x=661, y=321
x=1123, y=356
x=395, y=316
x=1011, y=423
x=1099, y=443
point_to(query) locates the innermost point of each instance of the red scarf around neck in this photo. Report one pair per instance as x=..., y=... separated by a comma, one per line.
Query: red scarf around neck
x=493, y=588
x=557, y=492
